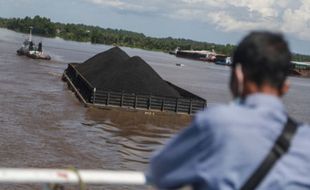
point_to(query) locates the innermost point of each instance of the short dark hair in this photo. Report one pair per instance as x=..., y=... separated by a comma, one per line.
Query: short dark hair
x=265, y=58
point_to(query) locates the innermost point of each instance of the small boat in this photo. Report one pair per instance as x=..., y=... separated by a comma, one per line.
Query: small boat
x=30, y=50
x=227, y=61
x=179, y=65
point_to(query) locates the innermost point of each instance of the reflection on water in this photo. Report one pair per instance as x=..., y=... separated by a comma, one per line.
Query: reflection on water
x=44, y=125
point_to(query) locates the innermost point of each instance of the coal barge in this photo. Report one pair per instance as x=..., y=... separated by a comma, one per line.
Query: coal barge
x=113, y=79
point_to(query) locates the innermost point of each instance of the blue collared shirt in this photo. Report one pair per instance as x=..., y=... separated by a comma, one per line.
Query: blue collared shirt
x=225, y=144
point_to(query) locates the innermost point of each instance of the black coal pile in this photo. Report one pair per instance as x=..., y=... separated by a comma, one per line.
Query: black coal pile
x=114, y=70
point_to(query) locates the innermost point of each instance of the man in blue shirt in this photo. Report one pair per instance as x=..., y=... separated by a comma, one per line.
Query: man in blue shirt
x=226, y=144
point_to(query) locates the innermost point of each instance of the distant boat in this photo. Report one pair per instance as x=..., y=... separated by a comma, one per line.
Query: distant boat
x=30, y=50
x=300, y=69
x=201, y=55
x=225, y=61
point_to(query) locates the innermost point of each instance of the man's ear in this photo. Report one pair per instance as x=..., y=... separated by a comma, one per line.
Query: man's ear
x=240, y=79
x=285, y=88
x=239, y=73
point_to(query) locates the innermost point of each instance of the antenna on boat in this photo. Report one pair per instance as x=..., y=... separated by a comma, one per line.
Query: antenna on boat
x=30, y=33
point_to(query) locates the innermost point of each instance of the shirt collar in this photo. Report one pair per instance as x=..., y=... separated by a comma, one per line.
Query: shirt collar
x=260, y=99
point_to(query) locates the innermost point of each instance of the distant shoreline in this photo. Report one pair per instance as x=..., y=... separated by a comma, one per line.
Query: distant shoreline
x=85, y=33
x=96, y=35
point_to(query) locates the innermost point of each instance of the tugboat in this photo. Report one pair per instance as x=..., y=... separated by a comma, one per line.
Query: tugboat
x=224, y=61
x=30, y=50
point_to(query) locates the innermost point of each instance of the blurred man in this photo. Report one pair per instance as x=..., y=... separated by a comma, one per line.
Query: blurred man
x=250, y=143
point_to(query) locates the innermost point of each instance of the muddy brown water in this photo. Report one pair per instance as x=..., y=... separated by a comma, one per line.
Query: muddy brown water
x=44, y=125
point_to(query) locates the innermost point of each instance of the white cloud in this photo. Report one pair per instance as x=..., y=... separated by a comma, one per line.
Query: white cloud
x=264, y=7
x=289, y=16
x=137, y=6
x=298, y=21
x=227, y=23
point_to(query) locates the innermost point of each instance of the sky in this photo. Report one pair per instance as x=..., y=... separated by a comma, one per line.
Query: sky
x=217, y=21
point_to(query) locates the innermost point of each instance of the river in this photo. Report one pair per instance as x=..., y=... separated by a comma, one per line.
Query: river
x=44, y=125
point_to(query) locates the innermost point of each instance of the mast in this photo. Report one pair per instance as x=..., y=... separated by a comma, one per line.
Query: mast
x=30, y=33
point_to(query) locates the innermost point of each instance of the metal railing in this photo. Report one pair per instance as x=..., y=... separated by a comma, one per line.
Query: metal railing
x=60, y=177
x=69, y=176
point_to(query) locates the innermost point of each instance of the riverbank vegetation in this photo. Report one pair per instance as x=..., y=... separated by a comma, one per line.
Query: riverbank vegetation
x=84, y=33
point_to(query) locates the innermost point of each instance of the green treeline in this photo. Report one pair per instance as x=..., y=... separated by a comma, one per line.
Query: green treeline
x=41, y=25
x=3, y=22
x=94, y=34
x=97, y=35
x=301, y=58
